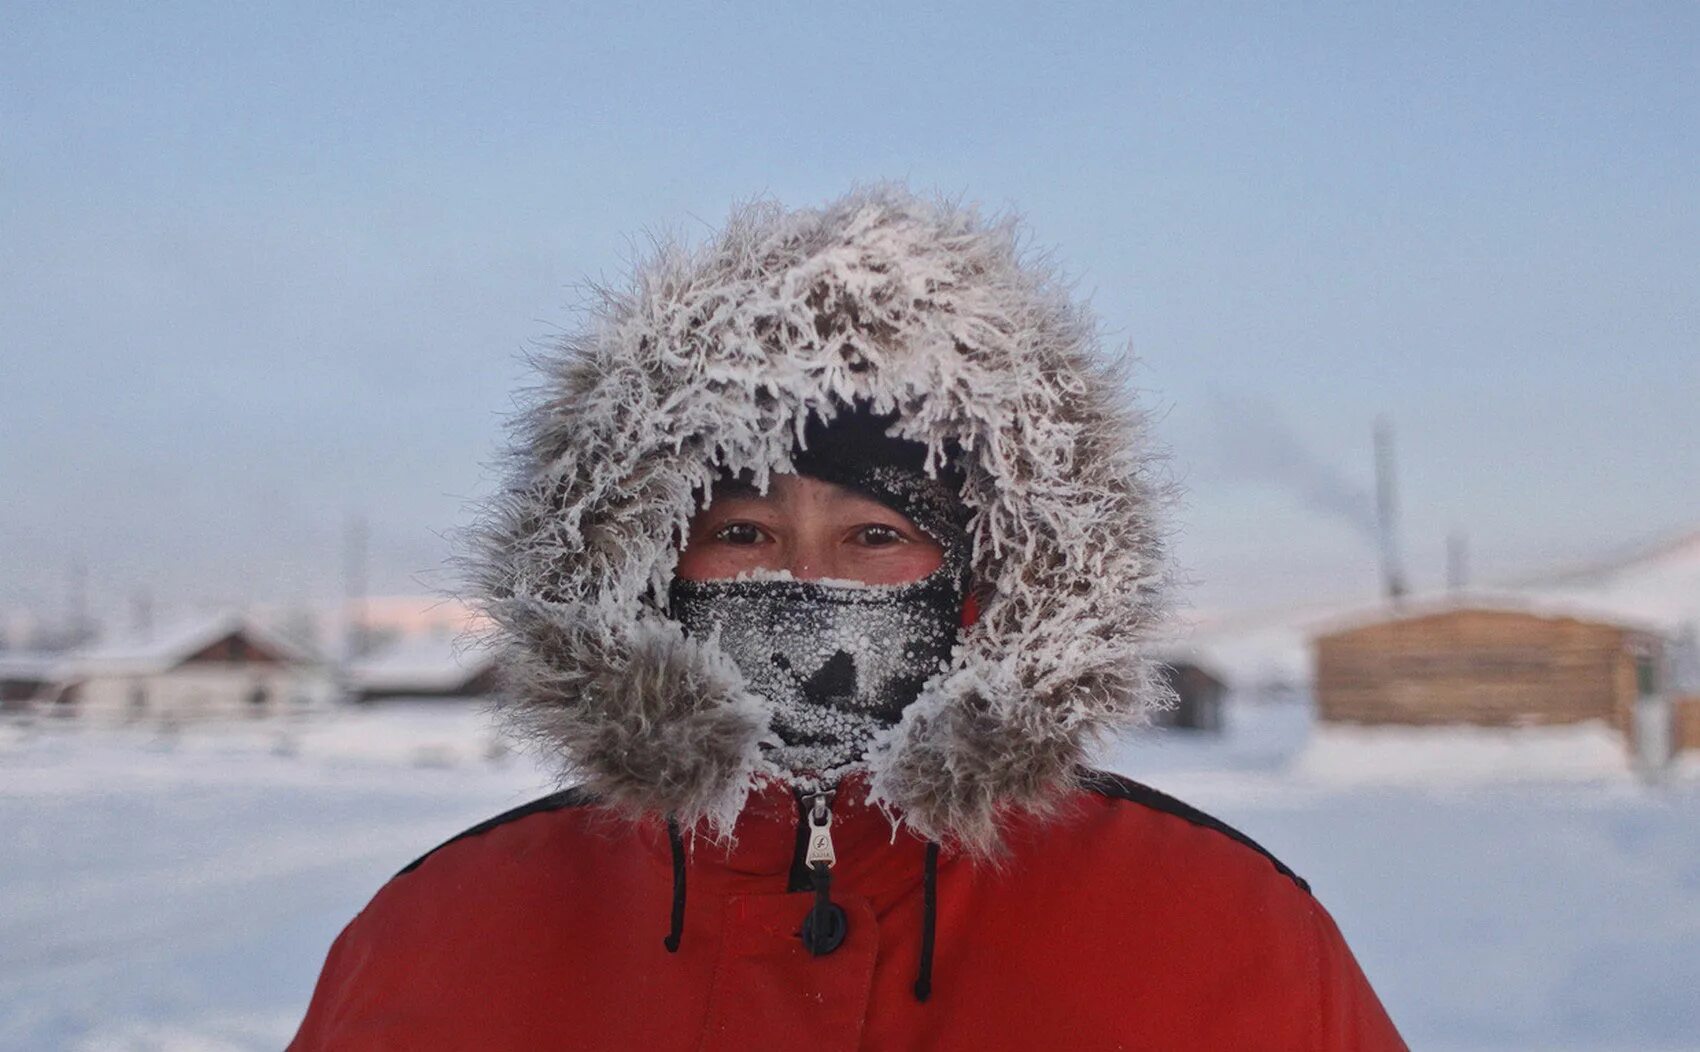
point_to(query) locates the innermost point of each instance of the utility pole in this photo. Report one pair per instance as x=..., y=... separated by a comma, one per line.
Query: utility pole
x=354, y=588
x=1457, y=561
x=141, y=613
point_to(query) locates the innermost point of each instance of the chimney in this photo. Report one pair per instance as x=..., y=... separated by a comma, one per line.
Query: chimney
x=1387, y=512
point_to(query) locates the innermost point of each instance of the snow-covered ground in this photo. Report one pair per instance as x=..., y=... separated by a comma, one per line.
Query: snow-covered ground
x=178, y=890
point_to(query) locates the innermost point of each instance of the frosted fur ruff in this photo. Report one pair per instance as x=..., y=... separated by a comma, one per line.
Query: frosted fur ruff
x=717, y=355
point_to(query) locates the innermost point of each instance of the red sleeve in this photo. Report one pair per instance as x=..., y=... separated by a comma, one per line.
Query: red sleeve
x=337, y=979
x=1350, y=1015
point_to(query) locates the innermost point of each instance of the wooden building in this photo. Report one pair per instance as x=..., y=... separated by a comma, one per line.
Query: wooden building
x=1685, y=723
x=1489, y=665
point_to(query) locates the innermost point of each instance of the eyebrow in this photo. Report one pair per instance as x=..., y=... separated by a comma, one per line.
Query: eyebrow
x=742, y=489
x=734, y=488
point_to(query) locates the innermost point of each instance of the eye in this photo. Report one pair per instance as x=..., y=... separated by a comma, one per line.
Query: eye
x=876, y=535
x=741, y=534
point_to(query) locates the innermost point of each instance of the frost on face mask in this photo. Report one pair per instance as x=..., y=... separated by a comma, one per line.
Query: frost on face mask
x=837, y=661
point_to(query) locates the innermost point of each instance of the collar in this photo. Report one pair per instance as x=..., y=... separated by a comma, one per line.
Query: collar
x=876, y=857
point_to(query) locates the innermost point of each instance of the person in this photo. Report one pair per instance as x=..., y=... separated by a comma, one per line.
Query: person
x=829, y=550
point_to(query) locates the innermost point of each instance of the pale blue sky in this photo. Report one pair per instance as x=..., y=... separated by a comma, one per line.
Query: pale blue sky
x=262, y=268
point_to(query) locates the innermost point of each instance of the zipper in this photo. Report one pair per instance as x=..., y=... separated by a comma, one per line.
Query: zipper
x=825, y=925
x=802, y=872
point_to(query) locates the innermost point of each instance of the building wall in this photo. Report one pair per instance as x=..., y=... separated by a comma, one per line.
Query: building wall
x=1685, y=723
x=1480, y=666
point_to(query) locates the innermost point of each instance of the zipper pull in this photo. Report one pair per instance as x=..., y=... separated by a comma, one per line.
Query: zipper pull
x=825, y=925
x=820, y=834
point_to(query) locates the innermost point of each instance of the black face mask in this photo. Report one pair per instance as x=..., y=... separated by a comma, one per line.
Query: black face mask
x=839, y=662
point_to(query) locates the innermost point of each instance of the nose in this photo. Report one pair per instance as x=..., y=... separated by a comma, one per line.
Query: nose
x=811, y=556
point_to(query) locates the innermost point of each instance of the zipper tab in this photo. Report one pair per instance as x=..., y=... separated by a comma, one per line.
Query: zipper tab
x=825, y=925
x=820, y=833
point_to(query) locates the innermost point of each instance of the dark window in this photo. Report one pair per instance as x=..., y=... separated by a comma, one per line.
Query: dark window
x=1646, y=676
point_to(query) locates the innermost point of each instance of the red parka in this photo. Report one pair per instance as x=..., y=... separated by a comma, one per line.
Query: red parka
x=1128, y=921
x=1017, y=902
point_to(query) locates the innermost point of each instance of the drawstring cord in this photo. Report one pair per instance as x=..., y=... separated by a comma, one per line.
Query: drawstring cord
x=929, y=922
x=677, y=843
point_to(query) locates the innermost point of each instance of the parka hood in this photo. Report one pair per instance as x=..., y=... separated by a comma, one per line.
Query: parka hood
x=714, y=358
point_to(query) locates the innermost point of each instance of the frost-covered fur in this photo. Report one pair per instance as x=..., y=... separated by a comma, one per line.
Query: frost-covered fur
x=716, y=355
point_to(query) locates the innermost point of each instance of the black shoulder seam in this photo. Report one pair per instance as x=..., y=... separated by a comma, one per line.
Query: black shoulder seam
x=574, y=797
x=1120, y=788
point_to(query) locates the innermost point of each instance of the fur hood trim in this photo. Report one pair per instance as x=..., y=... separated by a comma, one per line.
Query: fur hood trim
x=718, y=355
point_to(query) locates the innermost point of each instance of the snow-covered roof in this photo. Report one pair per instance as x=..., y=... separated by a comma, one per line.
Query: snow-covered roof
x=427, y=662
x=1536, y=604
x=165, y=647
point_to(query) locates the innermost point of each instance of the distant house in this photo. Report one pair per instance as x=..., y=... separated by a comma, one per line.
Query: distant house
x=427, y=665
x=1685, y=722
x=25, y=677
x=212, y=666
x=1684, y=666
x=1200, y=694
x=1471, y=660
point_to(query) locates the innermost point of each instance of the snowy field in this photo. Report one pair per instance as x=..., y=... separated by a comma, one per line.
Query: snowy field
x=178, y=890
